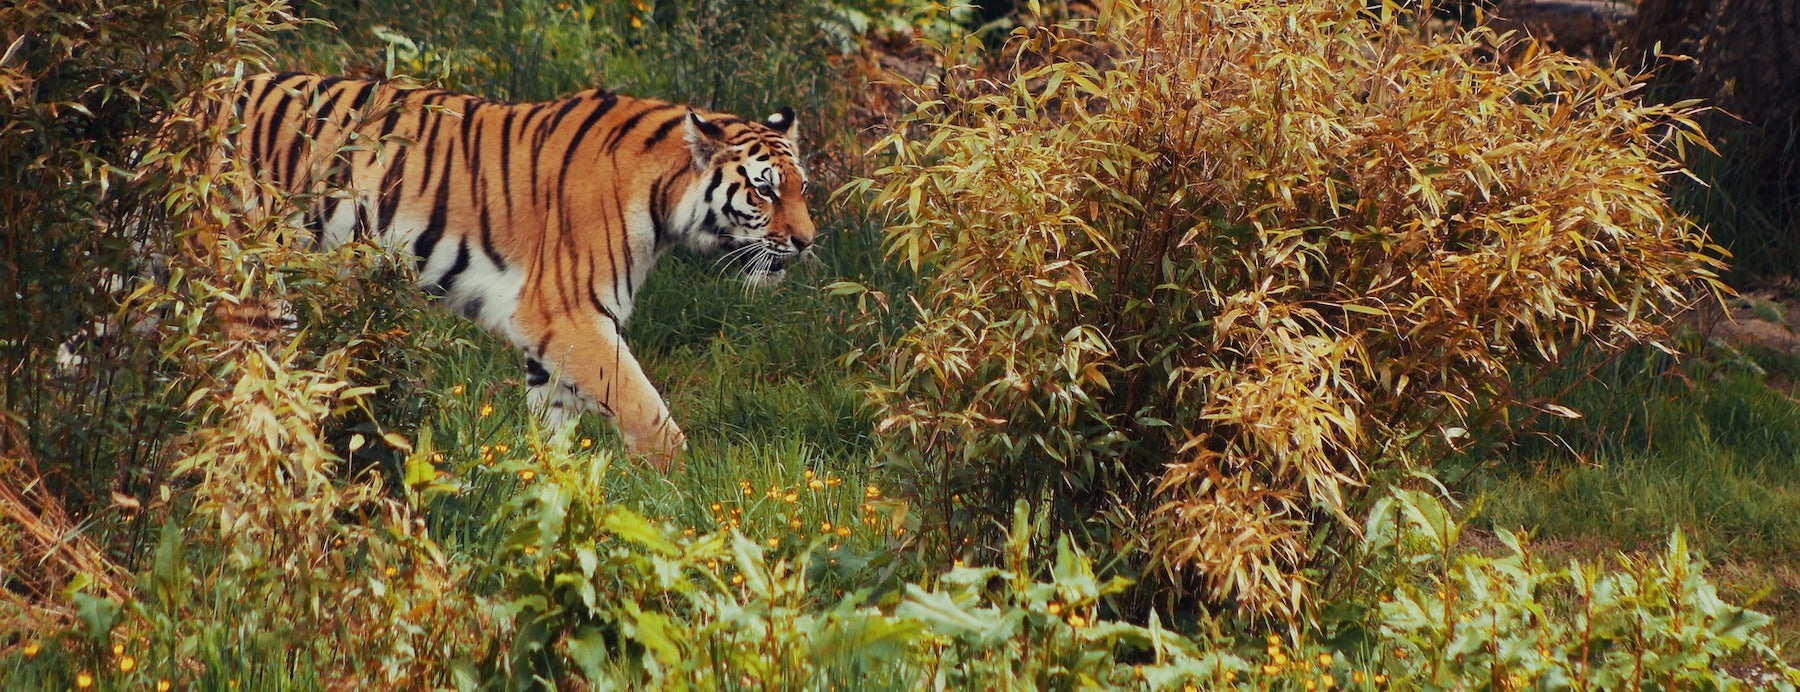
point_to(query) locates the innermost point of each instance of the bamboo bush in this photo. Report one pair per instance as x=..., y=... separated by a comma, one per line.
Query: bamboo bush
x=1203, y=274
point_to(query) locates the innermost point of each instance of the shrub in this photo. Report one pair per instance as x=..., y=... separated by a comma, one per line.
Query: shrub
x=1207, y=282
x=1464, y=620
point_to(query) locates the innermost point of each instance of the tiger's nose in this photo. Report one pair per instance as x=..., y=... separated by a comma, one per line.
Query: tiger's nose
x=800, y=244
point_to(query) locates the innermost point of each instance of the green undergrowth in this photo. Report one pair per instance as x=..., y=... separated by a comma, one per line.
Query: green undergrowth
x=368, y=504
x=1704, y=445
x=1707, y=445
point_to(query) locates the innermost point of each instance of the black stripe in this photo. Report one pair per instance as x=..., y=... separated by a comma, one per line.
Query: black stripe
x=535, y=374
x=563, y=112
x=434, y=229
x=292, y=166
x=479, y=187
x=536, y=150
x=662, y=131
x=600, y=110
x=362, y=96
x=506, y=142
x=448, y=281
x=391, y=189
x=263, y=147
x=487, y=237
x=718, y=176
x=428, y=139
x=618, y=135
x=658, y=224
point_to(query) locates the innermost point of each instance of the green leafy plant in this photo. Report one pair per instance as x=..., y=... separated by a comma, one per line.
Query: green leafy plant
x=1460, y=619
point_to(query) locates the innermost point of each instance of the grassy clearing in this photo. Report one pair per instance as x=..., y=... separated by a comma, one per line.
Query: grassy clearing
x=1704, y=446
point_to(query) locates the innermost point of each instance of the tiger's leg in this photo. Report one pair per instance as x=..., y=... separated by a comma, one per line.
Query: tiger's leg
x=554, y=400
x=605, y=374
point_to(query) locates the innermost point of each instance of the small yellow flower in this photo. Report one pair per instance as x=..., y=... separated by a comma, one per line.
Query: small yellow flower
x=637, y=23
x=871, y=492
x=527, y=475
x=456, y=391
x=501, y=448
x=31, y=650
x=391, y=572
x=127, y=664
x=487, y=410
x=587, y=442
x=1230, y=676
x=162, y=685
x=1325, y=660
x=1281, y=659
x=792, y=498
x=84, y=681
x=774, y=541
x=1270, y=669
x=1274, y=641
x=1076, y=620
x=808, y=474
x=1054, y=609
x=1356, y=676
x=1399, y=653
x=1380, y=679
x=688, y=532
x=531, y=550
x=1310, y=686
x=815, y=484
x=833, y=481
x=843, y=532
x=795, y=524
x=1327, y=682
x=712, y=564
x=118, y=649
x=737, y=579
x=825, y=527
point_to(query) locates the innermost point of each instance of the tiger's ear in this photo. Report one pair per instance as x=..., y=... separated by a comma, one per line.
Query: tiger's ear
x=782, y=122
x=704, y=138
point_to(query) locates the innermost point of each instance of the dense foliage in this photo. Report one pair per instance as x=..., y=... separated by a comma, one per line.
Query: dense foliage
x=1212, y=273
x=363, y=501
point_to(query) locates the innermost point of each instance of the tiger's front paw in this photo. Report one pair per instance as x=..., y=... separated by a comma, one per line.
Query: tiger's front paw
x=664, y=449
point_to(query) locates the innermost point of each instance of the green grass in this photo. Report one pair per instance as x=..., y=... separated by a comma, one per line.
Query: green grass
x=1706, y=447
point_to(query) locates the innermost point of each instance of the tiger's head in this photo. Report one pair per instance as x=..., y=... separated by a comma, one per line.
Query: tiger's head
x=752, y=193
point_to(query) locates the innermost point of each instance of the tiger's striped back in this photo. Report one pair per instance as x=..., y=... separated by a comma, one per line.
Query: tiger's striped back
x=539, y=220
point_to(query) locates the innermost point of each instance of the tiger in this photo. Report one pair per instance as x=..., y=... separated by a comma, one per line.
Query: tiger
x=540, y=221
